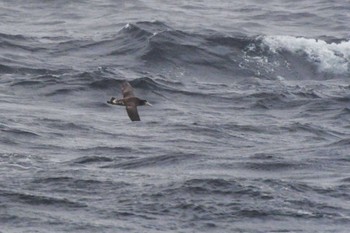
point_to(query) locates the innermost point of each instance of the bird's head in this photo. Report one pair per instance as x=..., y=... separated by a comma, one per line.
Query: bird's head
x=145, y=102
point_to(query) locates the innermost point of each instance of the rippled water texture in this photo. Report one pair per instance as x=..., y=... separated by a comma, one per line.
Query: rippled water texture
x=249, y=129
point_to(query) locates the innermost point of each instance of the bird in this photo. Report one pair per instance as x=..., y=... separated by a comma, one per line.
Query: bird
x=130, y=101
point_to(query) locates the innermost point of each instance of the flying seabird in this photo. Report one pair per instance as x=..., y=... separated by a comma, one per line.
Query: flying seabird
x=130, y=101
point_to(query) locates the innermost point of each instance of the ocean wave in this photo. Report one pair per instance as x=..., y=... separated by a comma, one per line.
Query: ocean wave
x=153, y=46
x=155, y=161
x=132, y=39
x=12, y=37
x=331, y=57
x=219, y=187
x=5, y=69
x=35, y=199
x=179, y=48
x=62, y=183
x=248, y=56
x=92, y=159
x=273, y=166
x=26, y=70
x=18, y=132
x=157, y=47
x=341, y=143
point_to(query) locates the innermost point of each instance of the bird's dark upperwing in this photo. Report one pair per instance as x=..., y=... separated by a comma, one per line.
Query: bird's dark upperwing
x=127, y=90
x=132, y=112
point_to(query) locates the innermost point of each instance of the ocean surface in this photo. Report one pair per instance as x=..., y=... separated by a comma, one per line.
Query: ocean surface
x=249, y=129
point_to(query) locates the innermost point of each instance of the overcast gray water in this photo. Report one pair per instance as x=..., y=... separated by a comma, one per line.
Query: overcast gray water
x=249, y=129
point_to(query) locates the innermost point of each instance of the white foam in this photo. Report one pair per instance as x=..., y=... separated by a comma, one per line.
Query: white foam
x=127, y=26
x=330, y=57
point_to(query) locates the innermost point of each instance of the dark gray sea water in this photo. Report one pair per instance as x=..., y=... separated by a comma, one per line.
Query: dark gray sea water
x=249, y=129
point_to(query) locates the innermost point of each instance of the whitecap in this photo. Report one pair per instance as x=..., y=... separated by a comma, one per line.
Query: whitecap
x=329, y=57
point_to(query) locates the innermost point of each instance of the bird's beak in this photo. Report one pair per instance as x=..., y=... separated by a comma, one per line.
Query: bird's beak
x=147, y=103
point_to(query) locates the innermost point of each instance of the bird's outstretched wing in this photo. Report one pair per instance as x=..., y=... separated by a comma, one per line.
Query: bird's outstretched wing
x=132, y=113
x=127, y=90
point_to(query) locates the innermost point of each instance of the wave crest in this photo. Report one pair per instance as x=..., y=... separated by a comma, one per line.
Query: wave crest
x=329, y=57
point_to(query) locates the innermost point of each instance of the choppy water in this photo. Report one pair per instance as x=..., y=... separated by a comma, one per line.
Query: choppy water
x=249, y=129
